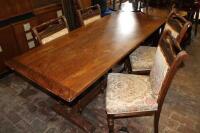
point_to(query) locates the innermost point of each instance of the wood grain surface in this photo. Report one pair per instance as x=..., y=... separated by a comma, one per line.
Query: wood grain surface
x=70, y=64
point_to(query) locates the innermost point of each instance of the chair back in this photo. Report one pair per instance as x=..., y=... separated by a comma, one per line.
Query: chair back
x=178, y=26
x=50, y=30
x=167, y=60
x=89, y=15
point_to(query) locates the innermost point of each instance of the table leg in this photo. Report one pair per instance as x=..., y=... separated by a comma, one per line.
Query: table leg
x=74, y=117
x=72, y=111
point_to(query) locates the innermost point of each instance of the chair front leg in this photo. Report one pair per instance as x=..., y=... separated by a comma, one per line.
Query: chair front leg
x=156, y=121
x=110, y=121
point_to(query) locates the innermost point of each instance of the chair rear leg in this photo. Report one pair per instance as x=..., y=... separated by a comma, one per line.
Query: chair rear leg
x=156, y=121
x=110, y=121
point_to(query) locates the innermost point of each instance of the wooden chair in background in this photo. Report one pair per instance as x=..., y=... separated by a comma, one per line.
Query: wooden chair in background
x=129, y=95
x=89, y=14
x=50, y=30
x=191, y=7
x=141, y=60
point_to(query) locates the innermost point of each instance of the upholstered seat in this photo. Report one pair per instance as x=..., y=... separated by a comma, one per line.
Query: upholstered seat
x=91, y=20
x=89, y=15
x=55, y=35
x=142, y=58
x=50, y=30
x=129, y=93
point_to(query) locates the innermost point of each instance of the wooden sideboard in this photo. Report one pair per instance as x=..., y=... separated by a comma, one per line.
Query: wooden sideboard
x=17, y=17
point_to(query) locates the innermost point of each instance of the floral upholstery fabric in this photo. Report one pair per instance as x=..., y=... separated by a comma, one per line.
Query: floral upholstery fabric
x=158, y=72
x=128, y=93
x=54, y=36
x=142, y=58
x=91, y=20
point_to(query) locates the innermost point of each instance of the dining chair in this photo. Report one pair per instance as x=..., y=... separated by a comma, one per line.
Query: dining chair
x=130, y=95
x=50, y=30
x=191, y=7
x=141, y=60
x=89, y=15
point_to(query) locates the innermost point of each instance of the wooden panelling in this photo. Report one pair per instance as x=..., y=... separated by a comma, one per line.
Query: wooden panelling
x=8, y=46
x=46, y=13
x=11, y=8
x=41, y=3
x=24, y=35
x=86, y=3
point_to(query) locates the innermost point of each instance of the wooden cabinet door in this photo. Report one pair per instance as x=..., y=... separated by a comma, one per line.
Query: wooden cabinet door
x=8, y=46
x=24, y=35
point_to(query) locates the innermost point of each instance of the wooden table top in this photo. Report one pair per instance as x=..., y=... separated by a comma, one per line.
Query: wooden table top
x=70, y=64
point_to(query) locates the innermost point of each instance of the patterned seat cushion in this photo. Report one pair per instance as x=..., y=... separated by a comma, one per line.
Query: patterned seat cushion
x=158, y=72
x=128, y=93
x=55, y=35
x=142, y=58
x=91, y=20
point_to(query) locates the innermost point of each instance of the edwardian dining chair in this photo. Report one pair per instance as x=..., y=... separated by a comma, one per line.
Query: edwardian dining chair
x=141, y=60
x=89, y=15
x=50, y=30
x=129, y=95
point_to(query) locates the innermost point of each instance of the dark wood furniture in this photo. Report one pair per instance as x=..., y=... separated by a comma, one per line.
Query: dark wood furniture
x=11, y=8
x=85, y=3
x=89, y=14
x=23, y=34
x=50, y=30
x=192, y=9
x=8, y=47
x=69, y=65
x=148, y=95
x=17, y=17
x=179, y=27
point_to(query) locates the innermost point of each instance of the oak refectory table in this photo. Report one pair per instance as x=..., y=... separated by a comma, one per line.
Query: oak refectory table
x=68, y=66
